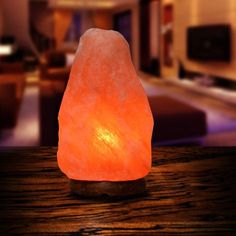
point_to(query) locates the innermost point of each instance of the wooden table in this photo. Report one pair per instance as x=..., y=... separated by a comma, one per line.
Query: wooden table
x=191, y=191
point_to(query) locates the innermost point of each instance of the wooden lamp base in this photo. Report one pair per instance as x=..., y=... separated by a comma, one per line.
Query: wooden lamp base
x=92, y=189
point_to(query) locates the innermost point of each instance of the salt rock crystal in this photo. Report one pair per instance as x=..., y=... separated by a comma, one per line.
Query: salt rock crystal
x=105, y=122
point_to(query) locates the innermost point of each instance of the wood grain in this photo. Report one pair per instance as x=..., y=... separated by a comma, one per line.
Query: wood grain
x=191, y=191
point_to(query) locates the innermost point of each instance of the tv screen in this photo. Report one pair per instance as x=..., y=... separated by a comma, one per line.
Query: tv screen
x=209, y=43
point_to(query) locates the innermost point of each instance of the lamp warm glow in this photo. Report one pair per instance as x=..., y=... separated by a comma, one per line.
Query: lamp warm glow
x=105, y=122
x=106, y=138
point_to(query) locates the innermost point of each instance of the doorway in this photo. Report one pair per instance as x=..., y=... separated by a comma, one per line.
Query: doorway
x=150, y=35
x=123, y=23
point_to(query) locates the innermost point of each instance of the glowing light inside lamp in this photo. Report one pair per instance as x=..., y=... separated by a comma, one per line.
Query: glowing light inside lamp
x=107, y=137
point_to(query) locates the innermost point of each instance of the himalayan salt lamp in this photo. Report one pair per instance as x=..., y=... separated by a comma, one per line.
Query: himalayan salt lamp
x=105, y=122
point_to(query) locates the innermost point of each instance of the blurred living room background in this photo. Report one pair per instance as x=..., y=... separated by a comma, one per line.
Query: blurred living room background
x=184, y=52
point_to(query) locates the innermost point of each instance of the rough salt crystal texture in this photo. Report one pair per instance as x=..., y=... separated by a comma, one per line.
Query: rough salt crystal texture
x=105, y=122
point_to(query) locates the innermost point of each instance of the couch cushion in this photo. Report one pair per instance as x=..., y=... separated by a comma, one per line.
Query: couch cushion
x=51, y=93
x=11, y=93
x=9, y=105
x=175, y=120
x=18, y=79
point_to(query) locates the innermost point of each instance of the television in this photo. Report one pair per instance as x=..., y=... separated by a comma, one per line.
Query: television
x=209, y=43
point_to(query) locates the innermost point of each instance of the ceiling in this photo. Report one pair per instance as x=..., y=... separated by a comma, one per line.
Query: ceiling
x=90, y=4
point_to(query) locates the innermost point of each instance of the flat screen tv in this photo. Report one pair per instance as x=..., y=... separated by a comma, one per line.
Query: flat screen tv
x=209, y=43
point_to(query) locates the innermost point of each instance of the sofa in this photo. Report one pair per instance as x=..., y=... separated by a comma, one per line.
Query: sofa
x=51, y=93
x=54, y=74
x=11, y=93
x=176, y=122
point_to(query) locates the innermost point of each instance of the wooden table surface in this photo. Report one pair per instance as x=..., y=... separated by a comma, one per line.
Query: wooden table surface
x=191, y=191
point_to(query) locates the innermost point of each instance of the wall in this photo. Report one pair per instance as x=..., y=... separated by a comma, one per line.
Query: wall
x=102, y=19
x=200, y=12
x=169, y=71
x=96, y=19
x=154, y=29
x=62, y=20
x=89, y=19
x=16, y=22
x=42, y=18
x=1, y=18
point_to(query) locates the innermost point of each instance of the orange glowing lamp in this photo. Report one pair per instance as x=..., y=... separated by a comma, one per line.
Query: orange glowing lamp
x=105, y=122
